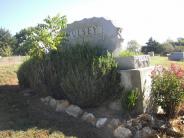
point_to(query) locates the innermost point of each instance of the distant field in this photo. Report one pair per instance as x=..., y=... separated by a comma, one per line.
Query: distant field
x=158, y=60
x=12, y=60
x=8, y=69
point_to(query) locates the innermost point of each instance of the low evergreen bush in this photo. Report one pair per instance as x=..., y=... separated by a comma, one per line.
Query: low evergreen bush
x=85, y=75
x=30, y=73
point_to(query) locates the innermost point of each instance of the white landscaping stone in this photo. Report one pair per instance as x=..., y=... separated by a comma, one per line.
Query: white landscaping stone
x=74, y=111
x=61, y=105
x=160, y=110
x=52, y=103
x=122, y=132
x=47, y=99
x=42, y=100
x=114, y=123
x=101, y=122
x=146, y=132
x=89, y=117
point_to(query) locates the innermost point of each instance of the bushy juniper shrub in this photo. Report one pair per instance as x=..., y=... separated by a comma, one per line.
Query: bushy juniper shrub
x=168, y=88
x=85, y=75
x=30, y=74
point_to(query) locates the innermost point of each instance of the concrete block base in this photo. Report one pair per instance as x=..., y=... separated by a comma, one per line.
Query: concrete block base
x=141, y=79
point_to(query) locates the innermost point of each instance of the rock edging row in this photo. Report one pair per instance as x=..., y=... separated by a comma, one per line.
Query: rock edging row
x=118, y=128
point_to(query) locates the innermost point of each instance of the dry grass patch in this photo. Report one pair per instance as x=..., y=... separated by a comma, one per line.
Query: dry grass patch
x=8, y=74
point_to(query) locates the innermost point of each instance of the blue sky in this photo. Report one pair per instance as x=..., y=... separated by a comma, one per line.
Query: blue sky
x=140, y=19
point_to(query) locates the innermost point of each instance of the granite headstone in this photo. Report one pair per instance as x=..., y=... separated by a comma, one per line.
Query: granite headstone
x=96, y=32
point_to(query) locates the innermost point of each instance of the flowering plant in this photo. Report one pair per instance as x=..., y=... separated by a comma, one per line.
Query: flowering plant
x=168, y=88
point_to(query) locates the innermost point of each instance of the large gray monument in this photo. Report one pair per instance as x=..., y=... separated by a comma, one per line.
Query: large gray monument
x=96, y=32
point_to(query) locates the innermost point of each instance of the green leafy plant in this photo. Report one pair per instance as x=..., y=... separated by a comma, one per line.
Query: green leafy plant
x=168, y=88
x=39, y=40
x=129, y=99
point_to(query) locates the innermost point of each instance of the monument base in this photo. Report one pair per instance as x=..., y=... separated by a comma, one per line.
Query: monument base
x=140, y=79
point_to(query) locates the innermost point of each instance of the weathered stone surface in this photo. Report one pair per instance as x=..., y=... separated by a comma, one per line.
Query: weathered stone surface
x=122, y=132
x=114, y=123
x=74, y=111
x=42, y=100
x=140, y=79
x=89, y=117
x=115, y=105
x=101, y=122
x=133, y=62
x=47, y=99
x=61, y=105
x=96, y=32
x=146, y=132
x=52, y=103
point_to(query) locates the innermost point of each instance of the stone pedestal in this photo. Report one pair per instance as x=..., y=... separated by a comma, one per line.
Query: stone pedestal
x=133, y=62
x=141, y=79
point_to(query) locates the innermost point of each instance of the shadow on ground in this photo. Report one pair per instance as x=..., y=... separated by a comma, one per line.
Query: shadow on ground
x=19, y=112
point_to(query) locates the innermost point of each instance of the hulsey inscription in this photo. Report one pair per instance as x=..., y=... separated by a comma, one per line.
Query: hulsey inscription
x=91, y=30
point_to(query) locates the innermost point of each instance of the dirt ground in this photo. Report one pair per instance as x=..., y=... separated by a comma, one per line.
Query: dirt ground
x=20, y=113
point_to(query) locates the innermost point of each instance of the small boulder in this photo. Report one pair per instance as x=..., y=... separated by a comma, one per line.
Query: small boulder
x=146, y=132
x=89, y=117
x=47, y=99
x=114, y=123
x=122, y=132
x=74, y=111
x=52, y=103
x=101, y=122
x=61, y=105
x=42, y=100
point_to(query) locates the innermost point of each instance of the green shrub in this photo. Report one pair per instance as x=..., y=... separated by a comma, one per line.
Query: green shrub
x=30, y=73
x=129, y=99
x=87, y=77
x=127, y=53
x=84, y=75
x=167, y=88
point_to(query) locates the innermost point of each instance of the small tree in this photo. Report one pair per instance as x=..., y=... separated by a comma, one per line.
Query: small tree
x=39, y=40
x=7, y=43
x=133, y=46
x=152, y=45
x=49, y=35
x=166, y=48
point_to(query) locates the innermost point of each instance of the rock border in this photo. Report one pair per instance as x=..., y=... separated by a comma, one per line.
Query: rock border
x=139, y=127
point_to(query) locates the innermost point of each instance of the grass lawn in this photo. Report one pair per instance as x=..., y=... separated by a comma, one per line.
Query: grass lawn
x=8, y=74
x=158, y=60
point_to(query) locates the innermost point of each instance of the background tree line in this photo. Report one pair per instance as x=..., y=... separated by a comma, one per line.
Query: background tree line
x=158, y=48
